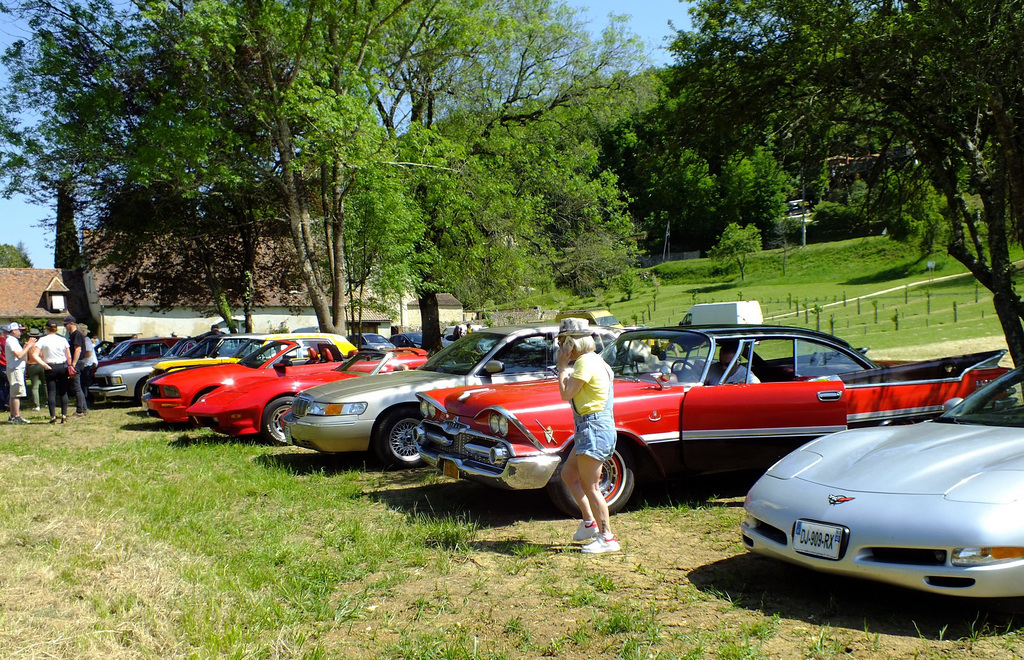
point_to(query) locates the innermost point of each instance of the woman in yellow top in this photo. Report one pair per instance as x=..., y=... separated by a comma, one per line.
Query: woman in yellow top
x=588, y=386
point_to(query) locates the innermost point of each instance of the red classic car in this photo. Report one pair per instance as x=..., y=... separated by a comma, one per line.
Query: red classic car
x=680, y=410
x=257, y=405
x=167, y=396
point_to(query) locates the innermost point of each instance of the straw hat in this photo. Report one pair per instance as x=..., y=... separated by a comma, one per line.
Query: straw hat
x=574, y=327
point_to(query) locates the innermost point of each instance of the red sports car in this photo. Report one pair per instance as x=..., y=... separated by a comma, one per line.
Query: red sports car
x=168, y=396
x=689, y=401
x=256, y=405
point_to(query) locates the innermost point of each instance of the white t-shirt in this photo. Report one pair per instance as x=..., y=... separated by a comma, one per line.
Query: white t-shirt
x=14, y=363
x=52, y=349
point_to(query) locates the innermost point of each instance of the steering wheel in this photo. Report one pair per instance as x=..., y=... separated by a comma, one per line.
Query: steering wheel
x=684, y=371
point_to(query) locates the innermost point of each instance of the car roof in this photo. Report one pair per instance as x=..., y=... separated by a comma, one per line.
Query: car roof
x=743, y=330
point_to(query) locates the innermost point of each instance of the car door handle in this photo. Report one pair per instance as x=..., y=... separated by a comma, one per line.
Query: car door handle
x=830, y=395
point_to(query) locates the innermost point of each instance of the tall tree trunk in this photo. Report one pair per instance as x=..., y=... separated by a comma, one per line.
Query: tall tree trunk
x=430, y=318
x=67, y=253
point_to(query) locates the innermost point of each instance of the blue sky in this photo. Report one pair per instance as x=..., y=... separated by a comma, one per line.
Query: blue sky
x=648, y=18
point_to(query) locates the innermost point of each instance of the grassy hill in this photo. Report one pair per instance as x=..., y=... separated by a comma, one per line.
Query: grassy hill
x=872, y=292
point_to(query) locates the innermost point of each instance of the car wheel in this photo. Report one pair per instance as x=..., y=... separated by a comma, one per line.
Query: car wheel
x=393, y=442
x=617, y=481
x=271, y=428
x=140, y=389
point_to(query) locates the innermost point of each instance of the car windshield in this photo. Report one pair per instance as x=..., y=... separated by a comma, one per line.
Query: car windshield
x=681, y=355
x=202, y=349
x=459, y=358
x=358, y=360
x=238, y=348
x=258, y=358
x=181, y=348
x=1000, y=403
x=118, y=349
x=374, y=339
x=606, y=321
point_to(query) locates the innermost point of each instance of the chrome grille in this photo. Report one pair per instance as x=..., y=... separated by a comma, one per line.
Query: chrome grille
x=301, y=404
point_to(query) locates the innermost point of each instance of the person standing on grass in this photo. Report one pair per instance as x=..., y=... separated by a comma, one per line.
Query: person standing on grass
x=4, y=387
x=54, y=353
x=35, y=375
x=588, y=386
x=16, y=359
x=76, y=338
x=87, y=363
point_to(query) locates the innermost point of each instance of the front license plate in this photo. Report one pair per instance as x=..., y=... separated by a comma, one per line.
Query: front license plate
x=818, y=539
x=449, y=468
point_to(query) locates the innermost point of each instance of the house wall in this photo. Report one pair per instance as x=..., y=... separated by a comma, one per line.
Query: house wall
x=120, y=322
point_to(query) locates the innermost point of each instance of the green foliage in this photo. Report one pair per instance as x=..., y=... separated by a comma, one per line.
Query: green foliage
x=736, y=244
x=14, y=256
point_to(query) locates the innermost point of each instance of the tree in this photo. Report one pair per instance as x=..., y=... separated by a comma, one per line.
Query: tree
x=735, y=244
x=943, y=78
x=14, y=256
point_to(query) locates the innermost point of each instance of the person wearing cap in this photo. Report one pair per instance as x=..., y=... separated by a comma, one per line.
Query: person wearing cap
x=87, y=363
x=35, y=375
x=588, y=386
x=54, y=353
x=4, y=387
x=16, y=358
x=76, y=338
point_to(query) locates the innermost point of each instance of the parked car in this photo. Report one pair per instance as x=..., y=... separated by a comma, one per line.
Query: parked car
x=448, y=334
x=222, y=348
x=115, y=378
x=170, y=394
x=146, y=348
x=256, y=405
x=373, y=341
x=408, y=339
x=380, y=412
x=601, y=317
x=679, y=411
x=936, y=507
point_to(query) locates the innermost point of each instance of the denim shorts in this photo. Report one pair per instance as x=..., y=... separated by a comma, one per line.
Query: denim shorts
x=595, y=435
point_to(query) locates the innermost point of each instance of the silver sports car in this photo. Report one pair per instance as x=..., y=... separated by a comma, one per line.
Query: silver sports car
x=936, y=506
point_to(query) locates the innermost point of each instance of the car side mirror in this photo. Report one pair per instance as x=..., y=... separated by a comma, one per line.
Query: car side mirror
x=952, y=403
x=493, y=367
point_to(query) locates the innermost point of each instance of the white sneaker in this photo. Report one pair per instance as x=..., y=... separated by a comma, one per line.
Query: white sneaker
x=587, y=530
x=602, y=544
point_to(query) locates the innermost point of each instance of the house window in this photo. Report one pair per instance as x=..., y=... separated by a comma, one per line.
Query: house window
x=57, y=302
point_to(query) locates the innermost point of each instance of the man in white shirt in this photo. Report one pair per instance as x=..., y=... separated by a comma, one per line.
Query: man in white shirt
x=16, y=360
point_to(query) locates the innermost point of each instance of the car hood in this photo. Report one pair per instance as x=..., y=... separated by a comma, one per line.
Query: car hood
x=398, y=381
x=926, y=458
x=120, y=367
x=256, y=389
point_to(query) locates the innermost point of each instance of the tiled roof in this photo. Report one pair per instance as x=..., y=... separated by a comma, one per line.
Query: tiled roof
x=443, y=300
x=22, y=292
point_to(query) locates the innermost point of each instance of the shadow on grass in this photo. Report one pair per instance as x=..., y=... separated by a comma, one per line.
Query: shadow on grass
x=693, y=492
x=897, y=272
x=214, y=439
x=301, y=463
x=772, y=587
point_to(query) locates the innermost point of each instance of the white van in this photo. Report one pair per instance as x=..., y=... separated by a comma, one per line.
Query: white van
x=742, y=312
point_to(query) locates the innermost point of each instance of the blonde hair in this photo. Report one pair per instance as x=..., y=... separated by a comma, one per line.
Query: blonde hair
x=579, y=345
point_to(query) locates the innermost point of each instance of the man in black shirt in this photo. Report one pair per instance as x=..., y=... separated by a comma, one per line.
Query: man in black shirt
x=77, y=340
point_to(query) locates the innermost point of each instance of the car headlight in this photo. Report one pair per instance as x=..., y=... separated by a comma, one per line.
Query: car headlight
x=117, y=380
x=985, y=556
x=427, y=409
x=329, y=409
x=171, y=392
x=498, y=424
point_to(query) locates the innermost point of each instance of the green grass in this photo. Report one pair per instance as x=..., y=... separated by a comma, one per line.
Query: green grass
x=125, y=538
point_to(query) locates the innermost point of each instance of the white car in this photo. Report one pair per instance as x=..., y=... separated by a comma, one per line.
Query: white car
x=936, y=506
